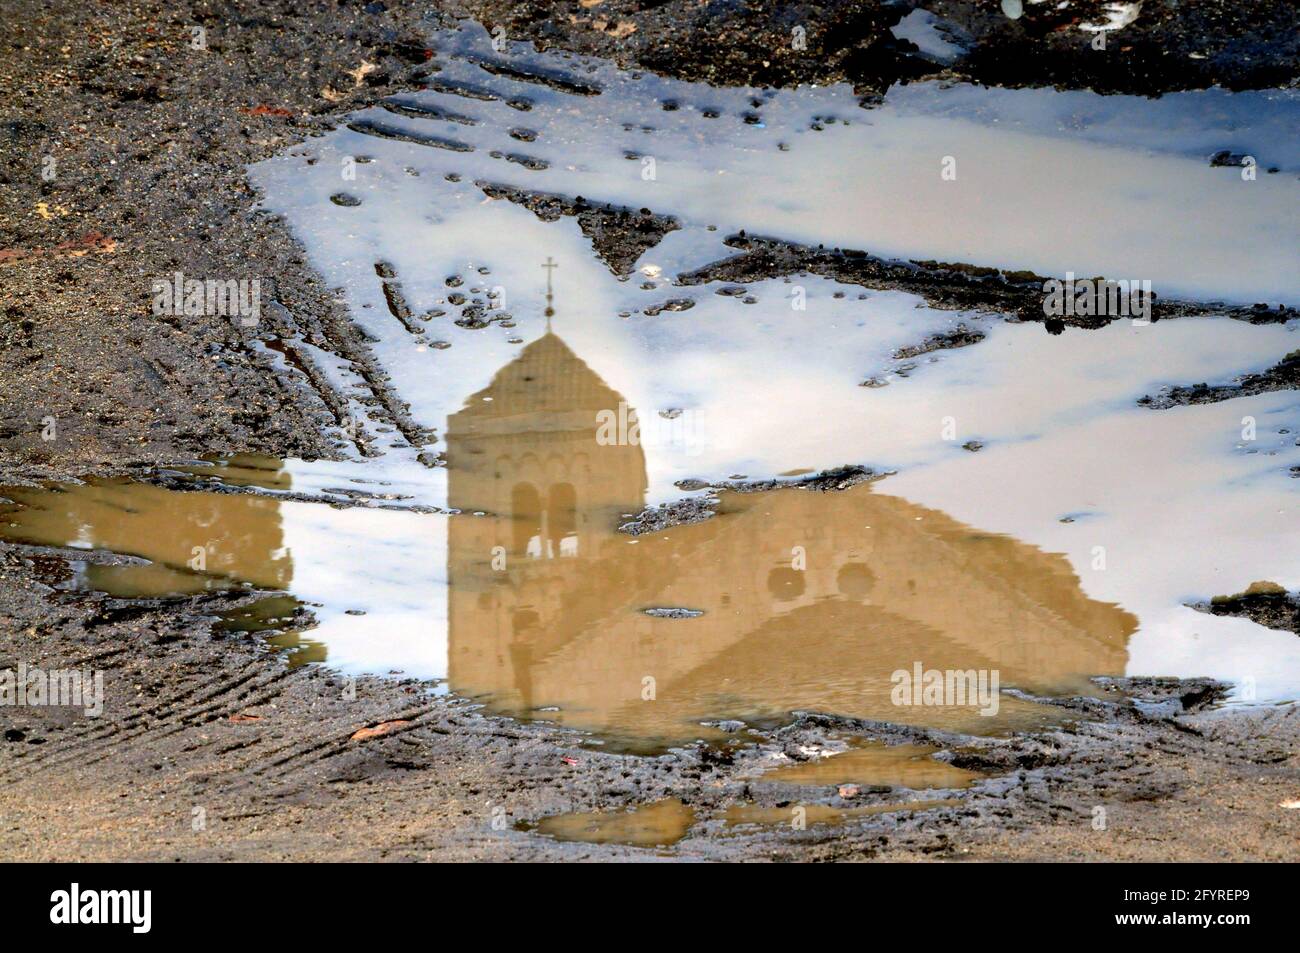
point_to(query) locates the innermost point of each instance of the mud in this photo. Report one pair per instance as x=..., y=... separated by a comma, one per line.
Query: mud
x=212, y=712
x=1172, y=45
x=149, y=138
x=619, y=236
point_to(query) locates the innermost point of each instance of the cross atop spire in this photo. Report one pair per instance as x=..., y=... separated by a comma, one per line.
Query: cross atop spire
x=550, y=267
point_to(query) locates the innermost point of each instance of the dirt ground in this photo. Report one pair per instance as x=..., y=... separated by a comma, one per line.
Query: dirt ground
x=122, y=151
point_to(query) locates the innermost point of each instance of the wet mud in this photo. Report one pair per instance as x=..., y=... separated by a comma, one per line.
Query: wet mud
x=943, y=285
x=148, y=138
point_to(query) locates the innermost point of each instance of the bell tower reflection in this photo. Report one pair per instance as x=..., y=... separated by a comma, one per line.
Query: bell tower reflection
x=525, y=449
x=525, y=452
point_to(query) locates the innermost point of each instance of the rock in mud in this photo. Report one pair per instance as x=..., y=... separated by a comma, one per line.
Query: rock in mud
x=1285, y=375
x=1264, y=603
x=960, y=336
x=673, y=612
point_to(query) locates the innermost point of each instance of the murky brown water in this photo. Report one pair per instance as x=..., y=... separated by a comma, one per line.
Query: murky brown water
x=902, y=766
x=658, y=824
x=798, y=599
x=194, y=541
x=663, y=823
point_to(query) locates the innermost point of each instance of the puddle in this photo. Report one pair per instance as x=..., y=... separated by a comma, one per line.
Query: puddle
x=1031, y=166
x=525, y=595
x=659, y=824
x=193, y=542
x=810, y=815
x=887, y=583
x=366, y=573
x=1041, y=523
x=541, y=603
x=280, y=620
x=869, y=763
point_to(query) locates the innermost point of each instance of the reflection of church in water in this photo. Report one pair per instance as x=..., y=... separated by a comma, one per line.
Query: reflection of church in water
x=546, y=598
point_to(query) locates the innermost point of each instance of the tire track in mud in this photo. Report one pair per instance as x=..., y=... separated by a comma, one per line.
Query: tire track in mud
x=379, y=130
x=290, y=349
x=348, y=343
x=181, y=721
x=337, y=335
x=182, y=708
x=142, y=732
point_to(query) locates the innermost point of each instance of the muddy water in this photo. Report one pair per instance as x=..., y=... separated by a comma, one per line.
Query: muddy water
x=663, y=823
x=1041, y=524
x=658, y=824
x=792, y=594
x=795, y=598
x=900, y=766
x=189, y=543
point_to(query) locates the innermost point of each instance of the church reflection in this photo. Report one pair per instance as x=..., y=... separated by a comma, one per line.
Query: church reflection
x=810, y=600
x=802, y=600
